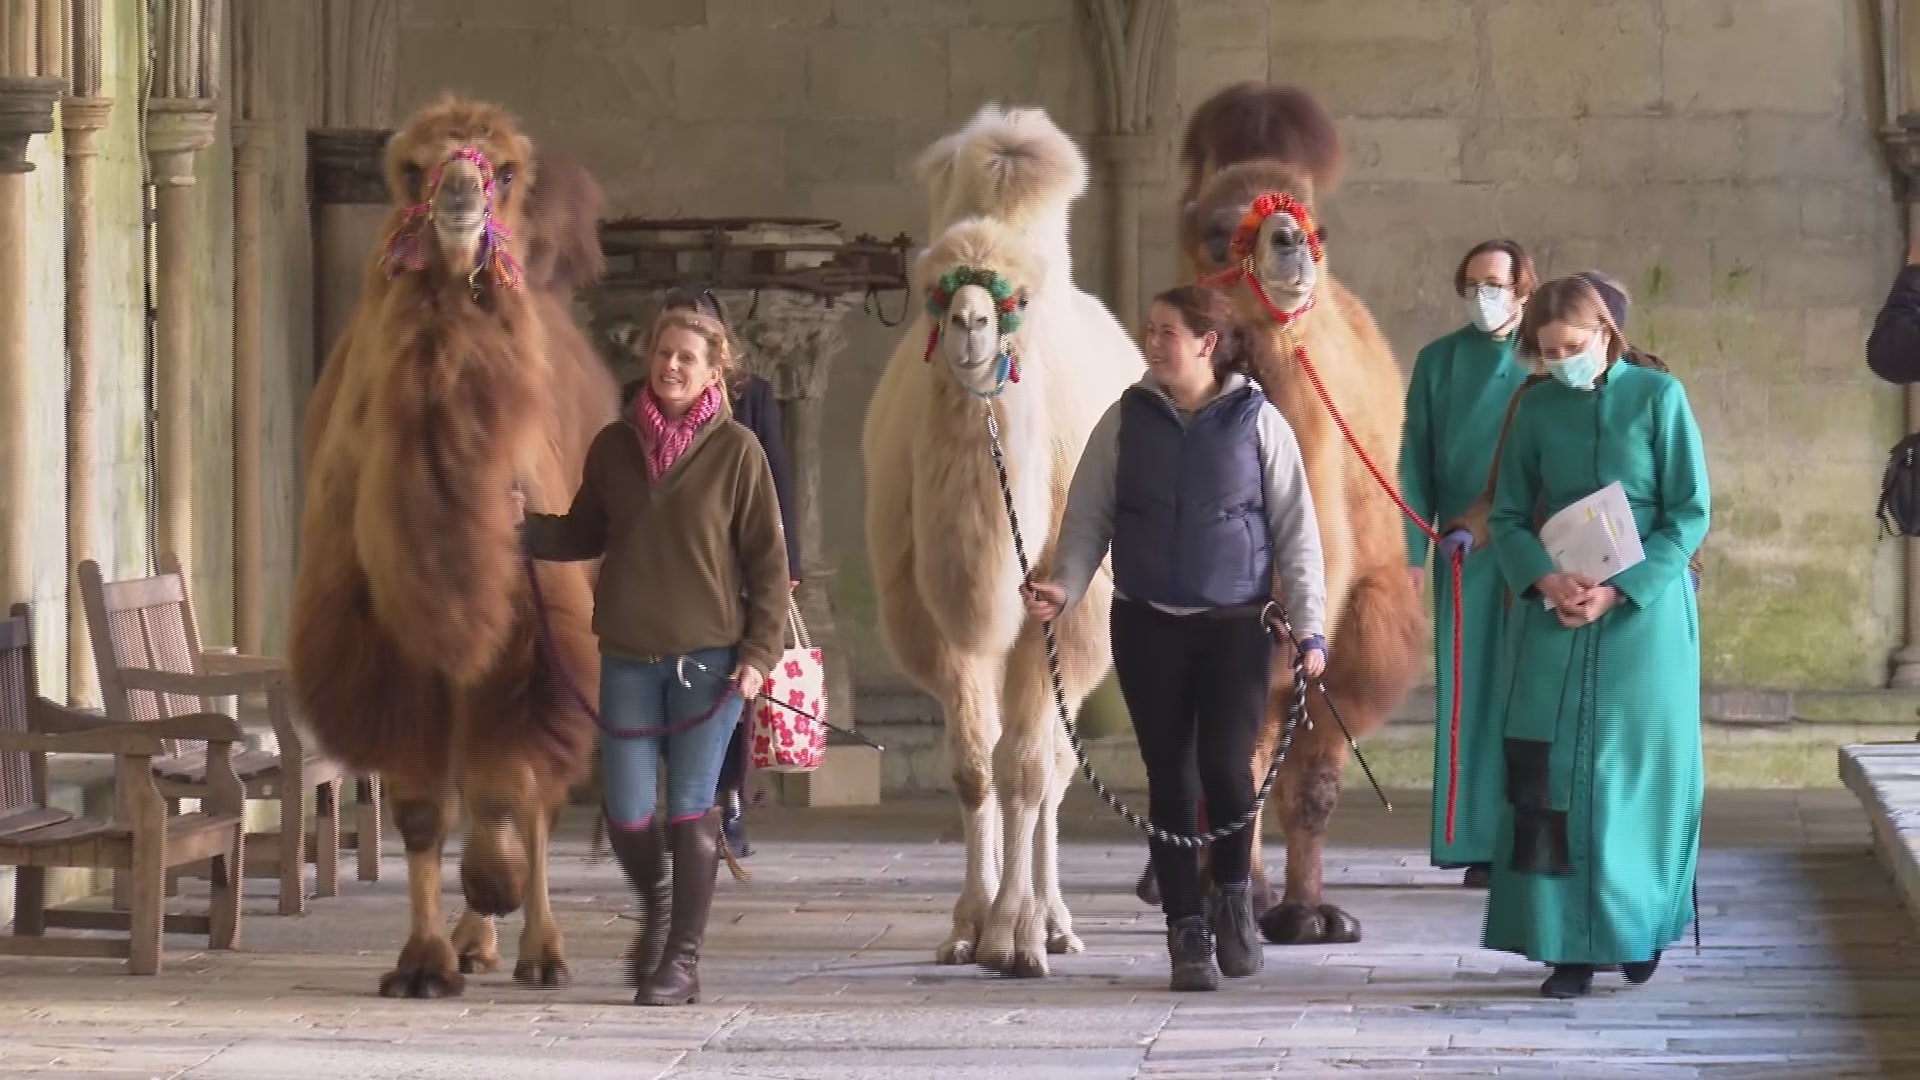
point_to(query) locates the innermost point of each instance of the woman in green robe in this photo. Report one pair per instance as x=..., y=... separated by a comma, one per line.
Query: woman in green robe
x=1455, y=404
x=1601, y=694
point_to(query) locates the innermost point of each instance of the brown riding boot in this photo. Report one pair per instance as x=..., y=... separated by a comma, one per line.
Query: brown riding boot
x=696, y=863
x=643, y=855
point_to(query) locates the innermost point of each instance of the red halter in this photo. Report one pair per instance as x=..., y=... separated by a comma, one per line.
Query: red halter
x=1247, y=234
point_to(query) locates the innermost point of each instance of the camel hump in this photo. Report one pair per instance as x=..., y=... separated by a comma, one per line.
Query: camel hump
x=562, y=220
x=1005, y=163
x=1251, y=121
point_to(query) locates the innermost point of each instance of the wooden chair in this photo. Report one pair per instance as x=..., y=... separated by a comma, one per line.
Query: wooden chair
x=147, y=647
x=140, y=840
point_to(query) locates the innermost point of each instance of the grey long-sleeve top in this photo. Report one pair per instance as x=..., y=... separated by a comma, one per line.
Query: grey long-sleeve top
x=1086, y=528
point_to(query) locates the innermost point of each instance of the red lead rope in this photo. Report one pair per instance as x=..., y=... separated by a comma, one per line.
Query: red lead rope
x=1279, y=202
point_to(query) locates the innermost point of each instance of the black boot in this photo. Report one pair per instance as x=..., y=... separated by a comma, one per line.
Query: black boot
x=732, y=825
x=643, y=855
x=1190, y=951
x=1640, y=971
x=1478, y=876
x=1568, y=981
x=1236, y=934
x=696, y=862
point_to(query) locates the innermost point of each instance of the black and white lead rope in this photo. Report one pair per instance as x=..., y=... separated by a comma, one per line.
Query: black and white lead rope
x=1296, y=710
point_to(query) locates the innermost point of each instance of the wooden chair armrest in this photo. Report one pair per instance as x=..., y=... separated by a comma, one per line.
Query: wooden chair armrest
x=214, y=728
x=51, y=717
x=226, y=663
x=121, y=740
x=203, y=684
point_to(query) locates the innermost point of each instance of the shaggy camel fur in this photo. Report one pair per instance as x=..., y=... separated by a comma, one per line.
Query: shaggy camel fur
x=937, y=534
x=414, y=640
x=1246, y=141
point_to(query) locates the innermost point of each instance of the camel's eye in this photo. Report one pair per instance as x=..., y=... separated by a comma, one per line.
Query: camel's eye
x=504, y=178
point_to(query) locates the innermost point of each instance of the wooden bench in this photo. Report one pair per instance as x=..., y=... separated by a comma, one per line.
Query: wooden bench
x=146, y=645
x=140, y=841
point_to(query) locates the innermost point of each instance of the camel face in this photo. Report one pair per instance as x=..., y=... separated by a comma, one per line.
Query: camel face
x=461, y=166
x=1283, y=261
x=970, y=340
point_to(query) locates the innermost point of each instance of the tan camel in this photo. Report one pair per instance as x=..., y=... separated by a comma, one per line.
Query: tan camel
x=1246, y=142
x=937, y=533
x=415, y=646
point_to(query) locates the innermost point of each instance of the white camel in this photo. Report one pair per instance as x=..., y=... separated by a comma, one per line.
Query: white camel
x=1013, y=337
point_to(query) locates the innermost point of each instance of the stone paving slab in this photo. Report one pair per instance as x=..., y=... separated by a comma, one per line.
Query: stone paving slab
x=821, y=967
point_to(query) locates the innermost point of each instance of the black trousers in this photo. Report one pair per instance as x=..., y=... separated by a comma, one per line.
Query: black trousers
x=1196, y=689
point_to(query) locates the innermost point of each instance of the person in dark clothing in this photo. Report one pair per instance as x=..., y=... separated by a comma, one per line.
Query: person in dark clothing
x=1195, y=482
x=1893, y=349
x=754, y=408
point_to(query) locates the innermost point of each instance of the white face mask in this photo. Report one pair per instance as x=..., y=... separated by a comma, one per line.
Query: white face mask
x=1491, y=307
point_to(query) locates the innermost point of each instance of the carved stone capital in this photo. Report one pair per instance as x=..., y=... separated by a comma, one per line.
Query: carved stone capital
x=177, y=129
x=347, y=166
x=26, y=110
x=81, y=121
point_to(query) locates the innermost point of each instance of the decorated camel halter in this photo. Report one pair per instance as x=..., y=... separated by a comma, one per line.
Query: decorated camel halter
x=1246, y=236
x=406, y=249
x=1007, y=305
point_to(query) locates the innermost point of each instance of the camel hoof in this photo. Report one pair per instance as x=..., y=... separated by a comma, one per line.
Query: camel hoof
x=427, y=969
x=1148, y=887
x=476, y=962
x=1342, y=928
x=956, y=951
x=1302, y=924
x=546, y=973
x=1025, y=965
x=1064, y=943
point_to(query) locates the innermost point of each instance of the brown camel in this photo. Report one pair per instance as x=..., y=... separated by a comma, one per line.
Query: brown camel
x=416, y=649
x=1248, y=141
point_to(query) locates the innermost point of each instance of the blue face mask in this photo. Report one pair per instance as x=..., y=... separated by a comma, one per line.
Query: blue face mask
x=1581, y=369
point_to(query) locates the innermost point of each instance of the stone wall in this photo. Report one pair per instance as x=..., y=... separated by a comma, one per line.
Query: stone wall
x=1717, y=156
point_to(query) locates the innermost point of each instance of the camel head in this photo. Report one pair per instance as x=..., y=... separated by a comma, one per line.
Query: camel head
x=1254, y=222
x=977, y=277
x=457, y=172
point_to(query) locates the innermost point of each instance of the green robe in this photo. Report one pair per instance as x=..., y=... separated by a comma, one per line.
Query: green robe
x=1604, y=779
x=1459, y=394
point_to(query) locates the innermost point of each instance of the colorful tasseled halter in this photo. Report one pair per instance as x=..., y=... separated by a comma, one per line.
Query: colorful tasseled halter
x=1008, y=307
x=406, y=249
x=1247, y=235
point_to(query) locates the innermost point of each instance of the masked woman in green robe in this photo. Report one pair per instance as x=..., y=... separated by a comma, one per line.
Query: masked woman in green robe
x=1455, y=405
x=1600, y=690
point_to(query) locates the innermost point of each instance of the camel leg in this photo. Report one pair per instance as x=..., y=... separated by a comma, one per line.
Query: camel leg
x=1309, y=789
x=1046, y=854
x=542, y=962
x=971, y=728
x=1015, y=939
x=427, y=967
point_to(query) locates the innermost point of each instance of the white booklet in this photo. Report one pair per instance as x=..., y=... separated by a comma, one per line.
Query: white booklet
x=1596, y=536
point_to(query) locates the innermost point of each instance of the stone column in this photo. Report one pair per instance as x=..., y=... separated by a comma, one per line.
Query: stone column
x=181, y=117
x=251, y=137
x=359, y=48
x=82, y=116
x=1128, y=36
x=1902, y=143
x=791, y=342
x=26, y=109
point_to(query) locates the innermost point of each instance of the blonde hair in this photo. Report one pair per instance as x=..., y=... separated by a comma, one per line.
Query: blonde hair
x=1571, y=300
x=709, y=329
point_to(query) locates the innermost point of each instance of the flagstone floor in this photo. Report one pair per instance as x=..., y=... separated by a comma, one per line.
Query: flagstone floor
x=822, y=968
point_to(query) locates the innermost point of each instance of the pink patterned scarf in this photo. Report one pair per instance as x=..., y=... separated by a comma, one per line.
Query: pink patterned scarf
x=668, y=439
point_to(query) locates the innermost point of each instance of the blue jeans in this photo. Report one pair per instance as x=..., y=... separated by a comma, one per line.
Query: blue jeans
x=641, y=697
